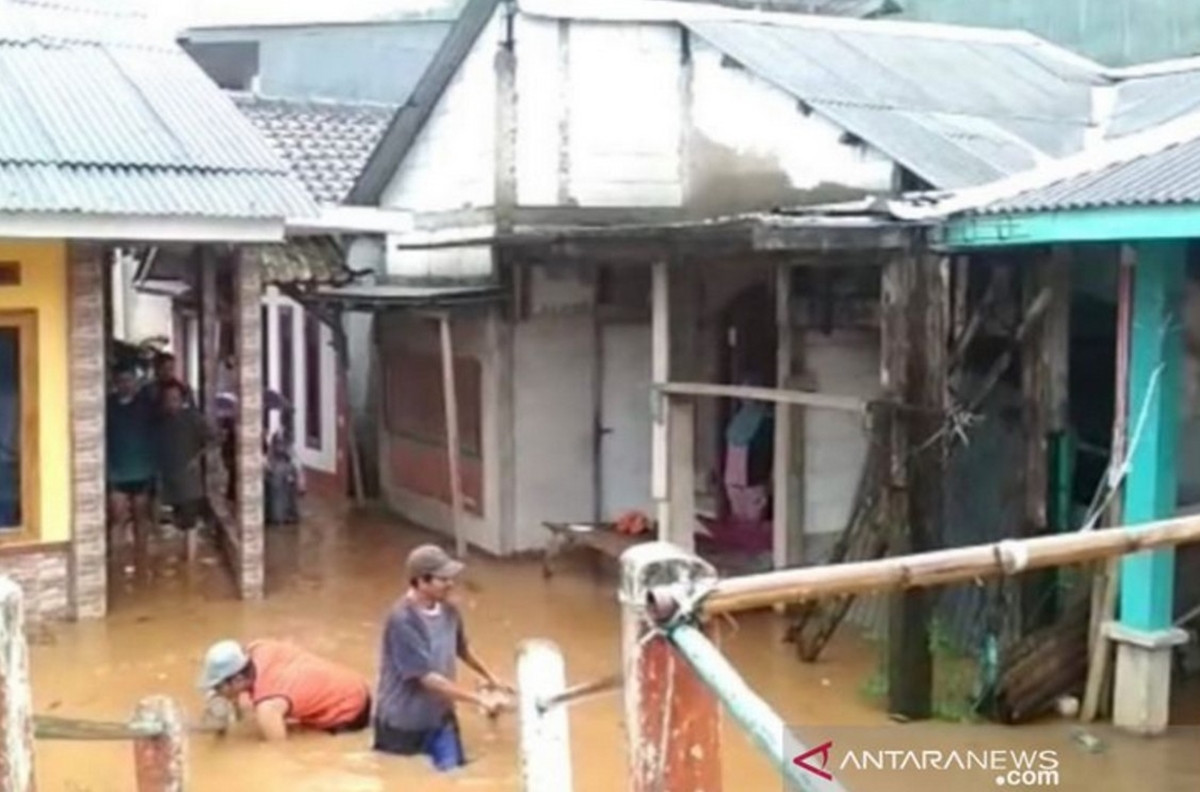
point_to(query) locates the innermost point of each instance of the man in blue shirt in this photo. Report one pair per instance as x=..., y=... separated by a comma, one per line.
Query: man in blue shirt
x=418, y=690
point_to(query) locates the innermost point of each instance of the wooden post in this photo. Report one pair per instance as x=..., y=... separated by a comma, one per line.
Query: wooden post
x=1105, y=585
x=16, y=698
x=660, y=373
x=544, y=734
x=672, y=723
x=1044, y=396
x=917, y=288
x=681, y=414
x=450, y=392
x=341, y=353
x=787, y=539
x=160, y=762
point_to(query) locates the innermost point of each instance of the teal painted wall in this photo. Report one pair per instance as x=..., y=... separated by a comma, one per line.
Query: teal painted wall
x=1114, y=32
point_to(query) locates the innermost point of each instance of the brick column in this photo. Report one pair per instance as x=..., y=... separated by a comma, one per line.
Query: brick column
x=86, y=271
x=248, y=294
x=16, y=699
x=160, y=763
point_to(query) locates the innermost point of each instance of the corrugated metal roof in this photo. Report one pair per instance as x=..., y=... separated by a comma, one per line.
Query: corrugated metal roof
x=135, y=190
x=956, y=111
x=1170, y=176
x=99, y=115
x=1149, y=101
x=326, y=143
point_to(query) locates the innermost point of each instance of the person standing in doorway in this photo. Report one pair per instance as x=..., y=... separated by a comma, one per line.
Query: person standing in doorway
x=422, y=639
x=129, y=452
x=166, y=372
x=184, y=436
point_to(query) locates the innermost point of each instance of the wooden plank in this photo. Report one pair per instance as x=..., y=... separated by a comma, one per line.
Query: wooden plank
x=450, y=396
x=820, y=401
x=1106, y=581
x=682, y=460
x=1036, y=604
x=784, y=501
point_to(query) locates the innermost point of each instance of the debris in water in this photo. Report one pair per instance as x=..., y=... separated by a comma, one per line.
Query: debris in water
x=1067, y=706
x=1087, y=741
x=825, y=682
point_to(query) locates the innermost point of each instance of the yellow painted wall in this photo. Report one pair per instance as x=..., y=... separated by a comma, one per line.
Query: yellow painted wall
x=44, y=288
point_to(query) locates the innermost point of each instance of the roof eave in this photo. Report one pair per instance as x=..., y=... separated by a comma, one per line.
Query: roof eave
x=140, y=228
x=1101, y=224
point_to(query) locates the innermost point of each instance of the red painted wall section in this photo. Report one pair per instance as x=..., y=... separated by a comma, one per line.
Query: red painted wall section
x=415, y=420
x=425, y=470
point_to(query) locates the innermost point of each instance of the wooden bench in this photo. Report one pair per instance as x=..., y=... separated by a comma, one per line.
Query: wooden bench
x=601, y=539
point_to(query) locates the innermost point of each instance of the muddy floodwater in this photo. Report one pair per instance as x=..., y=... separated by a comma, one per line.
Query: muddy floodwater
x=331, y=582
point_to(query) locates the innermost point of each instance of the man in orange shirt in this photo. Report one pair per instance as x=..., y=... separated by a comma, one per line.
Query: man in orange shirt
x=285, y=685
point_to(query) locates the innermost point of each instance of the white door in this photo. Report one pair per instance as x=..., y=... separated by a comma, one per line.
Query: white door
x=625, y=418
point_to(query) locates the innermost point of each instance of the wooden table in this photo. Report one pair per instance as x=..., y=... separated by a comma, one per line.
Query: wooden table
x=601, y=539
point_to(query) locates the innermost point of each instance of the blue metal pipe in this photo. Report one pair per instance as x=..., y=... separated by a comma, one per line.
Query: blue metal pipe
x=765, y=728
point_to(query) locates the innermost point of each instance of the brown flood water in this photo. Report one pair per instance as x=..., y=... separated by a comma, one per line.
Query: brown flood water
x=331, y=583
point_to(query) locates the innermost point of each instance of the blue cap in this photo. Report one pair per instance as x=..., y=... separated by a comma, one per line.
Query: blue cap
x=223, y=660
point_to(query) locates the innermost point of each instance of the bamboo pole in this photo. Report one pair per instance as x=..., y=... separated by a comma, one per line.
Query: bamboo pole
x=452, y=442
x=942, y=567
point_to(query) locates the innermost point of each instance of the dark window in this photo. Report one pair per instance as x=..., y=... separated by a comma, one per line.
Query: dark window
x=18, y=422
x=312, y=381
x=266, y=345
x=287, y=369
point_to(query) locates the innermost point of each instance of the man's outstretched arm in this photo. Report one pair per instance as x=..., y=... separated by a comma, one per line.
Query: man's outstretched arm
x=272, y=719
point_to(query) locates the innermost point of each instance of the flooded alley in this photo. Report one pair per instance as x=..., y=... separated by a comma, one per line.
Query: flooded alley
x=330, y=583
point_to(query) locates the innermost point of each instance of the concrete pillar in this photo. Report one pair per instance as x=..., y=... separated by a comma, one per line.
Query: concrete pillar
x=160, y=762
x=16, y=699
x=248, y=297
x=1144, y=634
x=660, y=341
x=86, y=271
x=672, y=722
x=545, y=738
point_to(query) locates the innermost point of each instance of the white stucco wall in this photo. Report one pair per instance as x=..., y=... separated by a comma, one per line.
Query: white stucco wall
x=846, y=363
x=610, y=114
x=553, y=408
x=611, y=93
x=625, y=414
x=450, y=165
x=323, y=455
x=765, y=127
